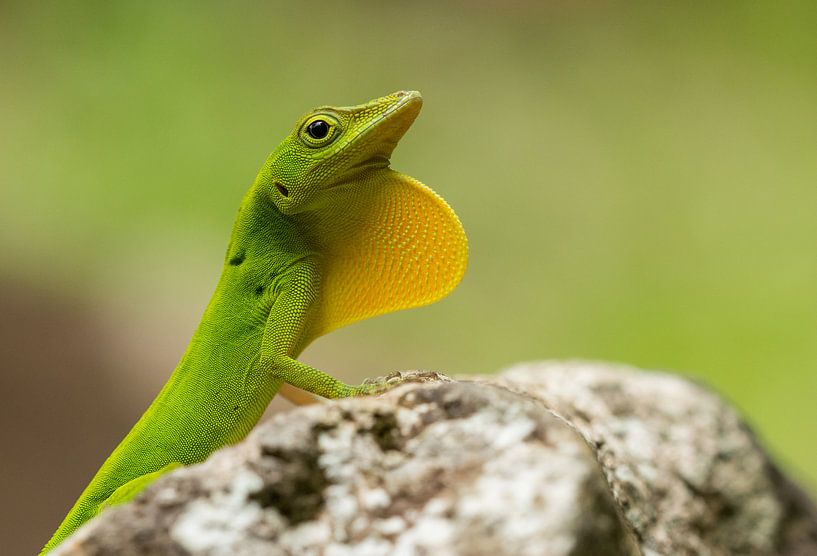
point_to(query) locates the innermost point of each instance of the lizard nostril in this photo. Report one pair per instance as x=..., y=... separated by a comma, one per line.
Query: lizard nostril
x=281, y=189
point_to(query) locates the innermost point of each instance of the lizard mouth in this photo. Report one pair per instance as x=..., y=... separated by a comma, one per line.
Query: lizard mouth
x=380, y=136
x=371, y=145
x=403, y=111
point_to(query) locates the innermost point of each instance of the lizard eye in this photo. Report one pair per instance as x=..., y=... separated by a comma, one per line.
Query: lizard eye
x=318, y=129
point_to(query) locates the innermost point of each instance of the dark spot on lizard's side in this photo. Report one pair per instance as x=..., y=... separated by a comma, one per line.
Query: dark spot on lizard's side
x=237, y=259
x=259, y=290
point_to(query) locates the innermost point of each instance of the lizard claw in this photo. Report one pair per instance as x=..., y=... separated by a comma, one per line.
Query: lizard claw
x=381, y=384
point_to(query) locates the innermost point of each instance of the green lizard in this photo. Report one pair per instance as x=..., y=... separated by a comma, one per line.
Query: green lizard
x=327, y=235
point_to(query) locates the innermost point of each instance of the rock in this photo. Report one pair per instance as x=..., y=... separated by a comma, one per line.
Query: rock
x=550, y=458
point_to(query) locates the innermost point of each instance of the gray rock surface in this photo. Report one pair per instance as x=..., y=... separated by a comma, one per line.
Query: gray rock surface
x=556, y=458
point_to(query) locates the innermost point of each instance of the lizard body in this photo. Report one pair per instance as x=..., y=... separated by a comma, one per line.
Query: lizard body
x=327, y=235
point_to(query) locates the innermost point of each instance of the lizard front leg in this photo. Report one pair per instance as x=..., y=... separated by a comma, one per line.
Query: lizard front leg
x=286, y=328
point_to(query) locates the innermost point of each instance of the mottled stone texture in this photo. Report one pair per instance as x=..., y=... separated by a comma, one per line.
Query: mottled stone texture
x=549, y=458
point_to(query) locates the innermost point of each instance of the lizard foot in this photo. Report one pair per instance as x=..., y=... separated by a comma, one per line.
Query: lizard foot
x=381, y=384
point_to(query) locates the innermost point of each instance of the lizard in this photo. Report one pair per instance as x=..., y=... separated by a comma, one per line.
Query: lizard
x=327, y=235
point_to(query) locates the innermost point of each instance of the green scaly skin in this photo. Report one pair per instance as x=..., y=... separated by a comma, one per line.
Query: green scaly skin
x=327, y=235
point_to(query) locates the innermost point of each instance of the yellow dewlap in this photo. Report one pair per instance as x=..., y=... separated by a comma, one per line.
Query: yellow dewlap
x=407, y=249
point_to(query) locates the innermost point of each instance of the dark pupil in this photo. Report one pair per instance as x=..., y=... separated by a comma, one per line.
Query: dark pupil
x=318, y=129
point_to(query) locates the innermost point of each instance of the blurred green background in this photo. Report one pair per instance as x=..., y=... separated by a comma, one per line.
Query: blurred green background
x=637, y=181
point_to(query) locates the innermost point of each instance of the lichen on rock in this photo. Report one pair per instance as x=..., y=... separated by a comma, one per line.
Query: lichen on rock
x=549, y=458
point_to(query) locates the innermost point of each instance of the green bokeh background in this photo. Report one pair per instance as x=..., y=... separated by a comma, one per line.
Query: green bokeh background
x=638, y=182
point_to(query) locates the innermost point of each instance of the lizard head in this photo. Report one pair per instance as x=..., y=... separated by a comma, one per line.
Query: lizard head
x=384, y=240
x=331, y=147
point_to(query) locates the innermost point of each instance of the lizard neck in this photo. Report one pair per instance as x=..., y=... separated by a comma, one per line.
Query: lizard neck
x=217, y=386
